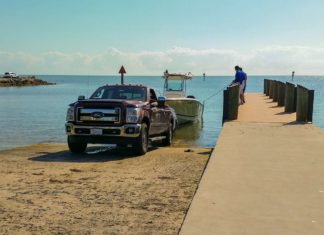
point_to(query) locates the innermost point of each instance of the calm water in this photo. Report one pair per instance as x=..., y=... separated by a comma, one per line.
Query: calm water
x=37, y=114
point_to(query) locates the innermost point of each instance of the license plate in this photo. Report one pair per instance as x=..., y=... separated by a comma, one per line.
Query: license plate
x=96, y=131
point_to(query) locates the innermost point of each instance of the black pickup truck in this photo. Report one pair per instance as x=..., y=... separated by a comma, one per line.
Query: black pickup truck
x=119, y=114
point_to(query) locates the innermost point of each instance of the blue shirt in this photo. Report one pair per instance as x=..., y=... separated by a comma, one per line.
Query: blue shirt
x=245, y=76
x=239, y=77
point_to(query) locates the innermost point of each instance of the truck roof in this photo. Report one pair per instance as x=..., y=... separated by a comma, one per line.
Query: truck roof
x=127, y=85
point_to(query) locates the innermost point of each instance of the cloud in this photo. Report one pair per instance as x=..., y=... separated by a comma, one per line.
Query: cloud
x=284, y=59
x=269, y=60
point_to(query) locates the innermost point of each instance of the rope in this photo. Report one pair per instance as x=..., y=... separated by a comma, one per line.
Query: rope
x=220, y=90
x=216, y=93
x=211, y=96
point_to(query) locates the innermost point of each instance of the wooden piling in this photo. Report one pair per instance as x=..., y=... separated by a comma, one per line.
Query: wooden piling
x=290, y=98
x=311, y=94
x=304, y=107
x=271, y=89
x=266, y=83
x=281, y=90
x=231, y=102
x=225, y=106
x=275, y=91
x=266, y=86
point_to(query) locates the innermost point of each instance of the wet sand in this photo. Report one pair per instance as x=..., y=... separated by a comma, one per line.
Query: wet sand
x=46, y=190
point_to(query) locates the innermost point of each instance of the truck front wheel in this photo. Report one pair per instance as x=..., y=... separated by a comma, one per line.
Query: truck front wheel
x=141, y=146
x=75, y=146
x=168, y=136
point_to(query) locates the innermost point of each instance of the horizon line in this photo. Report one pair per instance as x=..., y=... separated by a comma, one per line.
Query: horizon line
x=154, y=75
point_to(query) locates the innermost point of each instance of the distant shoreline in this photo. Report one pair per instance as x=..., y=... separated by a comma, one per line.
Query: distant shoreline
x=23, y=81
x=159, y=75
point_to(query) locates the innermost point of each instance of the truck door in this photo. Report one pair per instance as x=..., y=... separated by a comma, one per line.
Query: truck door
x=154, y=113
x=164, y=120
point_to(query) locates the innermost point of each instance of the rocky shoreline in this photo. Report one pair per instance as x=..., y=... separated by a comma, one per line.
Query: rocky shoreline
x=23, y=81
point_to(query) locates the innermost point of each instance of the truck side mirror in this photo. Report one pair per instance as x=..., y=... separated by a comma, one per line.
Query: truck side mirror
x=161, y=101
x=81, y=97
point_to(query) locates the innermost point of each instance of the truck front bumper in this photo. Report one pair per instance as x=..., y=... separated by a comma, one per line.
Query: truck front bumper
x=125, y=131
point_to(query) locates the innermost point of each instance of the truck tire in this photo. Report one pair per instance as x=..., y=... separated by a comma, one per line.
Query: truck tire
x=141, y=146
x=76, y=147
x=168, y=136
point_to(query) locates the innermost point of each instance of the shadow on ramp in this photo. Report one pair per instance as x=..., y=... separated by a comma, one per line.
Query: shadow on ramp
x=295, y=123
x=93, y=154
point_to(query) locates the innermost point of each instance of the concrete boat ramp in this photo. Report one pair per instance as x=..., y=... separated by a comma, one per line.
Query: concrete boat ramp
x=265, y=176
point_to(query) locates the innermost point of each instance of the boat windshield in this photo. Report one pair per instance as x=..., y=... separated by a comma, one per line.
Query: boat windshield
x=174, y=85
x=120, y=92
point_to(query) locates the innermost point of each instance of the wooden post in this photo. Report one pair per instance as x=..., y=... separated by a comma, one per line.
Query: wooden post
x=281, y=87
x=225, y=106
x=122, y=71
x=295, y=99
x=231, y=102
x=275, y=91
x=265, y=86
x=302, y=101
x=290, y=98
x=310, y=105
x=305, y=100
x=271, y=89
x=268, y=87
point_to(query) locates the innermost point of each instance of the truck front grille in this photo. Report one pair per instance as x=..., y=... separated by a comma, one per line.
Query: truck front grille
x=90, y=115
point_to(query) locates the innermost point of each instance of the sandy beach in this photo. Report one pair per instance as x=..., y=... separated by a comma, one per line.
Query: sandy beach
x=46, y=190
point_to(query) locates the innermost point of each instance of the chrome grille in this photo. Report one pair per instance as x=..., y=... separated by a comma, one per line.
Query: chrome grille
x=99, y=115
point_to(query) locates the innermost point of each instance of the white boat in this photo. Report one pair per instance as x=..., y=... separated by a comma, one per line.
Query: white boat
x=187, y=108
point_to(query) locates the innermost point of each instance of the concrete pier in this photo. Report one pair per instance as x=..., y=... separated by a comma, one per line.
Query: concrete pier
x=265, y=176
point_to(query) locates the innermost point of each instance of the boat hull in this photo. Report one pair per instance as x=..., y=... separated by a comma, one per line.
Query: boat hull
x=186, y=109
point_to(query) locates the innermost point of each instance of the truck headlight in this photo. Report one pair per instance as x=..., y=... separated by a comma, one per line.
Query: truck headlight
x=132, y=115
x=70, y=114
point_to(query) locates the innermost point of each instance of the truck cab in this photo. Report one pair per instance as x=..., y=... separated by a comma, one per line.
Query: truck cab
x=10, y=75
x=122, y=115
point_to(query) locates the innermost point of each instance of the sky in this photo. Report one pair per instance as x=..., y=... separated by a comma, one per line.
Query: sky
x=96, y=37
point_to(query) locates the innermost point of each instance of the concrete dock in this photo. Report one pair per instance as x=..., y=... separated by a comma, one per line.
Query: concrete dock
x=265, y=176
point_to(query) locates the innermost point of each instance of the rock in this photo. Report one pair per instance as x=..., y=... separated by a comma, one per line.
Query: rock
x=23, y=81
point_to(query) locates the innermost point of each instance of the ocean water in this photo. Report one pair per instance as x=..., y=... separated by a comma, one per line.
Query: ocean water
x=31, y=115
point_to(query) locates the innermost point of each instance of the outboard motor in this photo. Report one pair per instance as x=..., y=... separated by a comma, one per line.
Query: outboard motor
x=161, y=101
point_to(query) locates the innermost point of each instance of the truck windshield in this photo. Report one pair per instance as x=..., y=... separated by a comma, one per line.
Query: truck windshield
x=120, y=92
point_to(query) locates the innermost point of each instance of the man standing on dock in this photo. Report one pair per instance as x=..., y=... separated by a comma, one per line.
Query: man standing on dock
x=240, y=78
x=245, y=80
